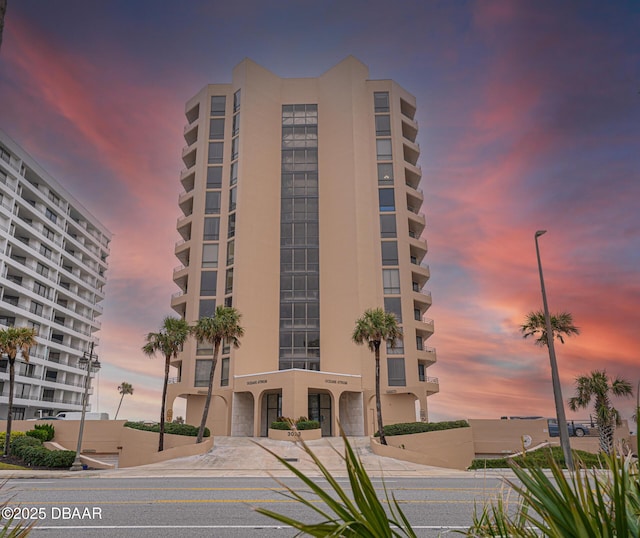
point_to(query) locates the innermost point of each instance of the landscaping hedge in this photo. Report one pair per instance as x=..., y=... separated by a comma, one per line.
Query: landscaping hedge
x=539, y=458
x=169, y=427
x=14, y=435
x=300, y=424
x=30, y=450
x=406, y=428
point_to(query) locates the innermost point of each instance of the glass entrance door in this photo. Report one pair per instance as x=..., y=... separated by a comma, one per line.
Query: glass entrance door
x=320, y=410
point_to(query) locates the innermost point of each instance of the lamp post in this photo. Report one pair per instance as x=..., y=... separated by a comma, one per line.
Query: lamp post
x=89, y=360
x=555, y=378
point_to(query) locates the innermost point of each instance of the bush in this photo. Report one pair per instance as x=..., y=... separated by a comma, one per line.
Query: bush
x=60, y=458
x=308, y=425
x=539, y=458
x=169, y=427
x=303, y=423
x=280, y=425
x=14, y=435
x=407, y=428
x=30, y=450
x=51, y=432
x=39, y=434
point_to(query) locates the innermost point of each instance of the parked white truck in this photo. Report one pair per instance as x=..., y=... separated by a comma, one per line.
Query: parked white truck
x=77, y=415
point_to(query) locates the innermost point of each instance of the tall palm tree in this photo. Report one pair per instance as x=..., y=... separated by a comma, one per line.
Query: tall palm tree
x=374, y=327
x=168, y=341
x=14, y=340
x=124, y=388
x=223, y=325
x=597, y=386
x=561, y=326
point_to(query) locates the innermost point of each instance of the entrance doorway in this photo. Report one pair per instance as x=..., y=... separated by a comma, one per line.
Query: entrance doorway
x=320, y=410
x=271, y=410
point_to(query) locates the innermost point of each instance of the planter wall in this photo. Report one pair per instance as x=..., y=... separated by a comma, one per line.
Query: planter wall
x=295, y=435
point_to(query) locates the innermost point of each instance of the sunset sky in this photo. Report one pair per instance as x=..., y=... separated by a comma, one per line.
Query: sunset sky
x=529, y=116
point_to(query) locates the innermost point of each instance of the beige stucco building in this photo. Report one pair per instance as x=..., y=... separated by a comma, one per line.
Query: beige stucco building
x=301, y=208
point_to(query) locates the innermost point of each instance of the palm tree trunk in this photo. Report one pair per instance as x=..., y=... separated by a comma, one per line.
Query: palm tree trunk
x=605, y=434
x=12, y=378
x=167, y=361
x=383, y=440
x=118, y=410
x=207, y=403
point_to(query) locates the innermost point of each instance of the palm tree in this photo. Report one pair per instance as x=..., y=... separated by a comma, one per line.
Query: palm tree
x=561, y=326
x=373, y=328
x=14, y=340
x=168, y=342
x=597, y=386
x=224, y=325
x=124, y=388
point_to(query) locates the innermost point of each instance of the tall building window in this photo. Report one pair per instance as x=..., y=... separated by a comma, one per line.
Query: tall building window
x=224, y=372
x=210, y=255
x=214, y=177
x=395, y=372
x=215, y=152
x=385, y=173
x=207, y=308
x=236, y=124
x=208, y=281
x=299, y=268
x=387, y=226
x=51, y=215
x=233, y=176
x=211, y=228
x=386, y=199
x=228, y=283
x=218, y=105
x=212, y=203
x=230, y=252
x=232, y=225
x=381, y=101
x=235, y=143
x=383, y=125
x=36, y=308
x=232, y=199
x=389, y=253
x=391, y=281
x=393, y=305
x=383, y=149
x=216, y=129
x=236, y=101
x=203, y=372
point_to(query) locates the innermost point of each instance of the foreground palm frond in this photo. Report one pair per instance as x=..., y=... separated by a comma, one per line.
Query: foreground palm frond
x=580, y=504
x=363, y=516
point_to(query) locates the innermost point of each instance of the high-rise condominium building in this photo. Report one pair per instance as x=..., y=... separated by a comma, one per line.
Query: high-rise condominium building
x=301, y=209
x=53, y=259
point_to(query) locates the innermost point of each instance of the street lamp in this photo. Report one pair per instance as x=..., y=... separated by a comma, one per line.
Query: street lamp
x=91, y=362
x=555, y=378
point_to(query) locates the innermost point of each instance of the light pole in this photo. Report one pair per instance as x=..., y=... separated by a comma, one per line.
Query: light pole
x=555, y=378
x=89, y=360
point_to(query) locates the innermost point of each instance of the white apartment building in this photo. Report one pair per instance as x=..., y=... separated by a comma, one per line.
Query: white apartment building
x=53, y=260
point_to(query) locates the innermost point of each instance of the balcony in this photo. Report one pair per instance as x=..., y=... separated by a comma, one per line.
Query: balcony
x=432, y=385
x=184, y=221
x=189, y=155
x=181, y=277
x=411, y=152
x=193, y=113
x=182, y=251
x=417, y=222
x=409, y=129
x=424, y=327
x=420, y=268
x=427, y=354
x=422, y=300
x=407, y=109
x=417, y=246
x=191, y=132
x=187, y=174
x=185, y=201
x=179, y=303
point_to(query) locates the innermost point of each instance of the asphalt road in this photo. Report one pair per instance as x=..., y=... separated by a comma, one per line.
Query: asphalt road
x=195, y=507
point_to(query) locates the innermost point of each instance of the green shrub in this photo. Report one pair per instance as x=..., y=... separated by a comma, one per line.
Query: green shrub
x=280, y=425
x=22, y=443
x=60, y=458
x=539, y=458
x=39, y=434
x=14, y=435
x=308, y=425
x=303, y=423
x=30, y=450
x=51, y=432
x=407, y=428
x=169, y=427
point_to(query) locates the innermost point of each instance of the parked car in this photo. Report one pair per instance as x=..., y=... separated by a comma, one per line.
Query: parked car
x=575, y=430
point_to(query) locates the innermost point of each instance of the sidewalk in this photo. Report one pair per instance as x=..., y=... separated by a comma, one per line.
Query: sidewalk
x=244, y=457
